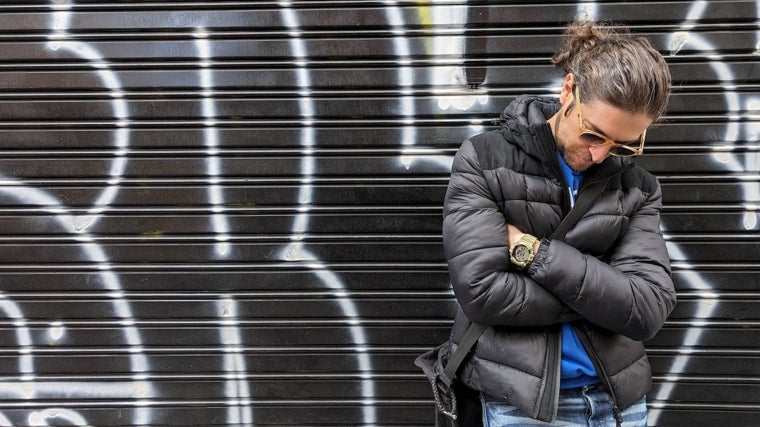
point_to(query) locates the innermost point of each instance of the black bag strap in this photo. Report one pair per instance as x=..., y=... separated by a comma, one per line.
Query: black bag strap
x=585, y=200
x=470, y=338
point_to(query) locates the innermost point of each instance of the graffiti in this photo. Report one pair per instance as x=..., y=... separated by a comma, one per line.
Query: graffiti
x=427, y=55
x=296, y=250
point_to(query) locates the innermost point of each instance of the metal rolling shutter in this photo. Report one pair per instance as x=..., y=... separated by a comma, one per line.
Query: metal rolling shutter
x=228, y=213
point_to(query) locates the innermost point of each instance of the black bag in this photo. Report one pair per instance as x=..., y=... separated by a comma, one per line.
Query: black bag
x=456, y=404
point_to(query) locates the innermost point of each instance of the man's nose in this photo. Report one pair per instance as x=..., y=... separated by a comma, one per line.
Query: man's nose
x=599, y=152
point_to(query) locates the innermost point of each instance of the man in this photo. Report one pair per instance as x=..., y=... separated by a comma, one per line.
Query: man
x=567, y=317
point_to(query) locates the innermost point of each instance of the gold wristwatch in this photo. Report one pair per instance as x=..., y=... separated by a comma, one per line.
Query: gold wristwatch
x=521, y=254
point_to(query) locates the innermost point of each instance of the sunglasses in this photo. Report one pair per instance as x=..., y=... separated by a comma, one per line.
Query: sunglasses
x=627, y=149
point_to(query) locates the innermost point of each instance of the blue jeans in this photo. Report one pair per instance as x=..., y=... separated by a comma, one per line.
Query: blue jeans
x=589, y=406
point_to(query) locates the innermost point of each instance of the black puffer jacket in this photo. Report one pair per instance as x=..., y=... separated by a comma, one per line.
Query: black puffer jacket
x=610, y=277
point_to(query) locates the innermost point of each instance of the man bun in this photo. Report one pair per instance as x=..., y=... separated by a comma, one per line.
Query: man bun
x=582, y=36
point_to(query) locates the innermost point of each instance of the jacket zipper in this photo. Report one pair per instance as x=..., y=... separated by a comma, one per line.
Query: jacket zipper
x=587, y=342
x=600, y=371
x=567, y=204
x=549, y=394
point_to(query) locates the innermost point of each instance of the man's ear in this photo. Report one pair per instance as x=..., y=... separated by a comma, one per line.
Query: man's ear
x=566, y=93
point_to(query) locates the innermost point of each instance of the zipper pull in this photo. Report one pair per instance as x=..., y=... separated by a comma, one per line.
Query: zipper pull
x=618, y=415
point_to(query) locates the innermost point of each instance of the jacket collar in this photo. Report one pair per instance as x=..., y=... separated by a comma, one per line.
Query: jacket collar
x=529, y=115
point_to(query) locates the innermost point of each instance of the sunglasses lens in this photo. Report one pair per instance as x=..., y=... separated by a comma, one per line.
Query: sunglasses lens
x=624, y=150
x=591, y=138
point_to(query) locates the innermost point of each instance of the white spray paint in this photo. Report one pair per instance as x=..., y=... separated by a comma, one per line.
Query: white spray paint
x=405, y=79
x=707, y=297
x=451, y=43
x=295, y=251
x=211, y=140
x=236, y=388
x=40, y=418
x=451, y=72
x=23, y=337
x=60, y=40
x=30, y=196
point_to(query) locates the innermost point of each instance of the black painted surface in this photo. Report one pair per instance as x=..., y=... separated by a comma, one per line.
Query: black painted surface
x=228, y=213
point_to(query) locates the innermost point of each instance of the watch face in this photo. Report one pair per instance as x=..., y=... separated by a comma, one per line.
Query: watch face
x=521, y=253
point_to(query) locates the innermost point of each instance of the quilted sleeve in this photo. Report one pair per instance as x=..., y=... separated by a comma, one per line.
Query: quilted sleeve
x=487, y=287
x=630, y=293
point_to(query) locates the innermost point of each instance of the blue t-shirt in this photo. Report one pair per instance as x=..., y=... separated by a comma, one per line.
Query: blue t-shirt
x=577, y=370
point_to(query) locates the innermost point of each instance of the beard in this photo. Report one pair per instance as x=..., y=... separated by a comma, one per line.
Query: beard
x=577, y=162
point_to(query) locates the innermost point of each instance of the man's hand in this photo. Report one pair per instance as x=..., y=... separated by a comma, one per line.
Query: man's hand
x=514, y=235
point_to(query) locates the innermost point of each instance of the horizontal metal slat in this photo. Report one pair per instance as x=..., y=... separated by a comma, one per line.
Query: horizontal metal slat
x=160, y=225
x=336, y=15
x=276, y=277
x=532, y=46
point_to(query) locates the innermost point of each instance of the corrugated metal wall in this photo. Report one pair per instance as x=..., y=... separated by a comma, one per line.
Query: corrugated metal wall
x=228, y=212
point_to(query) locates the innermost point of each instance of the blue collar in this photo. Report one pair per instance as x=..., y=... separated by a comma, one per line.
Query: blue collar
x=572, y=177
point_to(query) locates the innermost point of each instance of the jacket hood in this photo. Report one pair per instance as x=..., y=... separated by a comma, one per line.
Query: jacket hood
x=527, y=110
x=524, y=123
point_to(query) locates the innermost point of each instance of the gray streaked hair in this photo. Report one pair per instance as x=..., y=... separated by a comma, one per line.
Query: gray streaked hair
x=612, y=65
